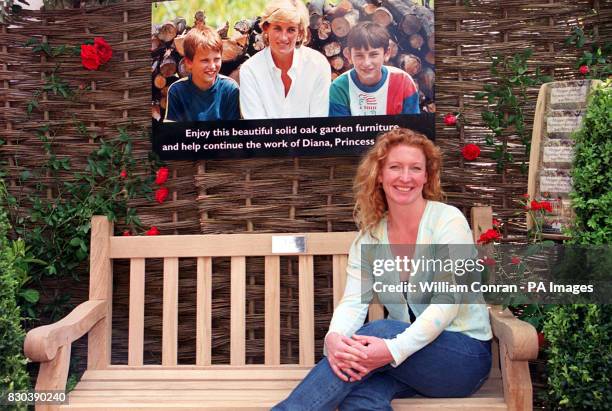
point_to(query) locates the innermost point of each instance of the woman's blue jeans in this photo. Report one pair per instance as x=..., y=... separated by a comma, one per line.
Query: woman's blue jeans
x=453, y=365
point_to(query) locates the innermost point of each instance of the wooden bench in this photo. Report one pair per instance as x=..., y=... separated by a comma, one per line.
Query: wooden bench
x=234, y=386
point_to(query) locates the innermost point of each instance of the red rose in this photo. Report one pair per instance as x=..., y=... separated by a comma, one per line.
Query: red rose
x=161, y=194
x=127, y=233
x=488, y=236
x=584, y=69
x=515, y=260
x=488, y=261
x=103, y=49
x=470, y=152
x=123, y=174
x=535, y=205
x=450, y=119
x=152, y=231
x=496, y=223
x=162, y=176
x=547, y=206
x=89, y=57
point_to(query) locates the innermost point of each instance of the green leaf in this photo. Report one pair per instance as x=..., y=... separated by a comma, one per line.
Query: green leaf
x=76, y=241
x=30, y=295
x=25, y=175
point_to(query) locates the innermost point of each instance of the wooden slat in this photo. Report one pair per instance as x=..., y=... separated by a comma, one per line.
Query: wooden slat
x=237, y=311
x=170, y=312
x=306, y=303
x=204, y=311
x=187, y=385
x=178, y=396
x=222, y=245
x=376, y=310
x=136, y=316
x=182, y=395
x=272, y=310
x=265, y=405
x=339, y=276
x=192, y=372
x=482, y=220
x=100, y=288
x=491, y=388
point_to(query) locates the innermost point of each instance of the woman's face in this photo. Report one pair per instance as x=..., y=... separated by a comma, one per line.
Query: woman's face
x=403, y=175
x=282, y=37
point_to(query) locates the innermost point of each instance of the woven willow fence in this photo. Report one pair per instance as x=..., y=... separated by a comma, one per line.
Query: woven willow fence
x=274, y=195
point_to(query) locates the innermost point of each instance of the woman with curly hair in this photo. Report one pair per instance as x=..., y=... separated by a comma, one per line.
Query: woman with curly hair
x=446, y=350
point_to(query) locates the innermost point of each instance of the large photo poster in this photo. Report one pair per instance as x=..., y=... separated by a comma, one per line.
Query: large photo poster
x=236, y=79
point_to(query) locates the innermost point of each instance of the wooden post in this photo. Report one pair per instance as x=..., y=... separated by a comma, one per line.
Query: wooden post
x=53, y=375
x=100, y=288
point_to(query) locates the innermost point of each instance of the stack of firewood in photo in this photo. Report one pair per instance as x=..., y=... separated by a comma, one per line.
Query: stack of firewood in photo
x=410, y=25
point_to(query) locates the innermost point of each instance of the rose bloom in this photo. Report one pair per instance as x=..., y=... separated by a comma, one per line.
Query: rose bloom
x=546, y=205
x=515, y=260
x=488, y=236
x=584, y=69
x=161, y=194
x=152, y=231
x=103, y=49
x=161, y=176
x=123, y=174
x=470, y=152
x=127, y=233
x=450, y=119
x=89, y=57
x=535, y=205
x=488, y=261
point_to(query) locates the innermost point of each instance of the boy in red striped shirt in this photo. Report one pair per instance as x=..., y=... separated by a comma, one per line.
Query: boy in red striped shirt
x=371, y=88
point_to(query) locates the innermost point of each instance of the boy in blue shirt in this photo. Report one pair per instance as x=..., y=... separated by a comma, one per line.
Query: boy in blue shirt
x=205, y=95
x=371, y=88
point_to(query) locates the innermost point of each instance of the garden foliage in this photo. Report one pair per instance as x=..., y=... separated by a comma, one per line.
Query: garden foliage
x=13, y=274
x=579, y=357
x=592, y=172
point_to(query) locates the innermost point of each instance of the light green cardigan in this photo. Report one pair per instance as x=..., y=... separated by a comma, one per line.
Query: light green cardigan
x=440, y=224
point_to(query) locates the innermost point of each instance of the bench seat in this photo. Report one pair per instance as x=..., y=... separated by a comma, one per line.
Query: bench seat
x=249, y=388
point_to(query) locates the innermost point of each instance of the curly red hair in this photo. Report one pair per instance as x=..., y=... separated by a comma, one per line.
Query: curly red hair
x=370, y=200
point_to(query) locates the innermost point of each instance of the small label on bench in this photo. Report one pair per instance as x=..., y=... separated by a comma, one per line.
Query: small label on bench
x=288, y=244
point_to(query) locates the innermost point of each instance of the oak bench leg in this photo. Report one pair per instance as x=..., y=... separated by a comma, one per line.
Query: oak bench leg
x=53, y=375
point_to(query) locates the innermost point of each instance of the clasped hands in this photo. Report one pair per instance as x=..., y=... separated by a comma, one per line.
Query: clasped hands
x=352, y=358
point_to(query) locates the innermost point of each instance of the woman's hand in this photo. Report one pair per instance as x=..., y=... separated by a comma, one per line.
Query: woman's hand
x=378, y=355
x=345, y=356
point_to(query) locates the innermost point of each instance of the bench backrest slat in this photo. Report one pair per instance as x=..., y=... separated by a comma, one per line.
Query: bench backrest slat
x=376, y=311
x=306, y=303
x=339, y=264
x=272, y=310
x=170, y=312
x=136, y=311
x=204, y=311
x=237, y=311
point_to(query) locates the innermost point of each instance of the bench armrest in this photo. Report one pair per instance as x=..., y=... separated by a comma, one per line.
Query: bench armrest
x=42, y=343
x=520, y=337
x=518, y=343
